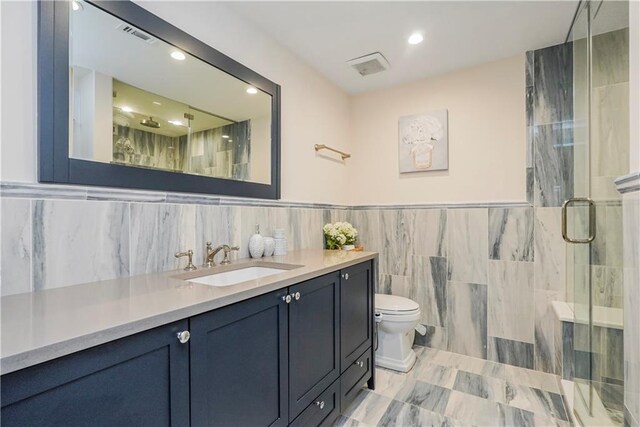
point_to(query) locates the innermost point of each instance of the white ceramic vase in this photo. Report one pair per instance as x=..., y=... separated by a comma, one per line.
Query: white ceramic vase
x=269, y=246
x=256, y=244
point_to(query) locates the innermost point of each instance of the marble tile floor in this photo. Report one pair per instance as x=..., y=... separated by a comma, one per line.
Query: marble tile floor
x=450, y=389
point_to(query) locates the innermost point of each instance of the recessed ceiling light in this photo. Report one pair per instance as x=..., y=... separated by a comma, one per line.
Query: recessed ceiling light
x=415, y=38
x=231, y=140
x=175, y=122
x=178, y=56
x=75, y=5
x=157, y=103
x=252, y=90
x=126, y=109
x=225, y=136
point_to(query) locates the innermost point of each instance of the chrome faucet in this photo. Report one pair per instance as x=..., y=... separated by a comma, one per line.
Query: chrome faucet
x=211, y=253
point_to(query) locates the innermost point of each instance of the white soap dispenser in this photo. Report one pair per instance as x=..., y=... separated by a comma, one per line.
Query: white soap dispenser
x=256, y=244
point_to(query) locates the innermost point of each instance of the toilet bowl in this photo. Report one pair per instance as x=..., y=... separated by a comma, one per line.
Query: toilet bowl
x=396, y=318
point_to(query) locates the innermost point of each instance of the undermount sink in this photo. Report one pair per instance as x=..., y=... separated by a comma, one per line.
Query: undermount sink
x=234, y=274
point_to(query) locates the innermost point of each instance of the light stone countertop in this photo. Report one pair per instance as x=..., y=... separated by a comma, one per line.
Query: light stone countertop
x=43, y=325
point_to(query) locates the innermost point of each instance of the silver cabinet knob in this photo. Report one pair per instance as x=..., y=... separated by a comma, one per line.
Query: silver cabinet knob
x=320, y=403
x=297, y=296
x=184, y=336
x=286, y=298
x=346, y=276
x=359, y=363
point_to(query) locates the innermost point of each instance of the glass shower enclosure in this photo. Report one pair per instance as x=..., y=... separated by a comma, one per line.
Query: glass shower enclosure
x=592, y=218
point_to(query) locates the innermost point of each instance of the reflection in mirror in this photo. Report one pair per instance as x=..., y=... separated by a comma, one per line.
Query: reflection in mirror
x=136, y=100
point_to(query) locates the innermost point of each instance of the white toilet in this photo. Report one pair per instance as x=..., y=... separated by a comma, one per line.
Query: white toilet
x=397, y=319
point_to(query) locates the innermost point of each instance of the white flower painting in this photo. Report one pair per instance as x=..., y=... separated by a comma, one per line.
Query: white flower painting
x=423, y=142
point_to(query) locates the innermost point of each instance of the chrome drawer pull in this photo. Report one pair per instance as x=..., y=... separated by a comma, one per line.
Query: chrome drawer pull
x=359, y=363
x=320, y=404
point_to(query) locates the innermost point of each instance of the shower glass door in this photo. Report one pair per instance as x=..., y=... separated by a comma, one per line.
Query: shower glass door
x=592, y=218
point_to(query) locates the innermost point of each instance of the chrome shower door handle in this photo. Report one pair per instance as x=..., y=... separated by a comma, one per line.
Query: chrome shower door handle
x=592, y=220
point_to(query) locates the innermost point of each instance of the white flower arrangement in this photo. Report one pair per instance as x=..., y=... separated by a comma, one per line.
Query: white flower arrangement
x=339, y=234
x=423, y=130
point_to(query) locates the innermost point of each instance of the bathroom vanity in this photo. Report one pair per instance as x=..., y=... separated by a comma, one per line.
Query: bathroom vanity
x=291, y=348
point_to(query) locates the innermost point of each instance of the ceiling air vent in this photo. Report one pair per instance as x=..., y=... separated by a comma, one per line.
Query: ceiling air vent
x=129, y=29
x=369, y=64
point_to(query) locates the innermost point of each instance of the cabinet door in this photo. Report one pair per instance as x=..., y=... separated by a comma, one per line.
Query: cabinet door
x=356, y=312
x=139, y=380
x=314, y=343
x=239, y=364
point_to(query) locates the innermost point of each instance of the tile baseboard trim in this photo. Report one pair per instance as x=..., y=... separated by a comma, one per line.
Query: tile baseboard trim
x=628, y=183
x=64, y=192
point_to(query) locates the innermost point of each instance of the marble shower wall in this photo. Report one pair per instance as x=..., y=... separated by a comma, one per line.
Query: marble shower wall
x=141, y=148
x=210, y=154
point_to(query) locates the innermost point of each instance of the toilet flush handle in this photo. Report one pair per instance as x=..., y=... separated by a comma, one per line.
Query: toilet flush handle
x=377, y=317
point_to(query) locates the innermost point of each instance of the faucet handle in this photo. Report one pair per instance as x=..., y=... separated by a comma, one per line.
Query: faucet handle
x=227, y=250
x=189, y=254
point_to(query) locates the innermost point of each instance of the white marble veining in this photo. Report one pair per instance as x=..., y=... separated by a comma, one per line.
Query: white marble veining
x=467, y=318
x=610, y=130
x=15, y=273
x=429, y=230
x=428, y=287
x=220, y=225
x=511, y=234
x=510, y=308
x=515, y=353
x=145, y=238
x=177, y=232
x=545, y=327
x=397, y=238
x=550, y=262
x=79, y=242
x=304, y=228
x=610, y=60
x=467, y=231
x=44, y=325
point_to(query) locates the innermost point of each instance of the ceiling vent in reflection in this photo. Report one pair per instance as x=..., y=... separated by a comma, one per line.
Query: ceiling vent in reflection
x=129, y=29
x=370, y=64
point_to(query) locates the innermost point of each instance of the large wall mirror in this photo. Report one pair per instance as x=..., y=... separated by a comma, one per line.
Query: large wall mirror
x=128, y=100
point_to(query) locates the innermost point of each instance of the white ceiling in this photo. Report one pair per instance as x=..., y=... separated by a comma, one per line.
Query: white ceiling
x=98, y=44
x=457, y=34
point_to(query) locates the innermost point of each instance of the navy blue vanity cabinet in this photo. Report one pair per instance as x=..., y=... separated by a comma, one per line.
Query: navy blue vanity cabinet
x=356, y=330
x=239, y=360
x=314, y=340
x=139, y=380
x=356, y=312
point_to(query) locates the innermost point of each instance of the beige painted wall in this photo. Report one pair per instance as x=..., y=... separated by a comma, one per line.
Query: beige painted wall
x=485, y=103
x=313, y=109
x=486, y=107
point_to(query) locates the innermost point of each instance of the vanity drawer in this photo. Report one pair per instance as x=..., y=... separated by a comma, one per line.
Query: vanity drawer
x=354, y=378
x=323, y=411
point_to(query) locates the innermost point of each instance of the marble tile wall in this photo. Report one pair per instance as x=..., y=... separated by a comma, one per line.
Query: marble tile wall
x=473, y=272
x=49, y=243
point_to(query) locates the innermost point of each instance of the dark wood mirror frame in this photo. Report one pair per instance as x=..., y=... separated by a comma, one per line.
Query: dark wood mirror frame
x=54, y=163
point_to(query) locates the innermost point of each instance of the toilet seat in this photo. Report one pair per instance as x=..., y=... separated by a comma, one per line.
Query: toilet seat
x=393, y=305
